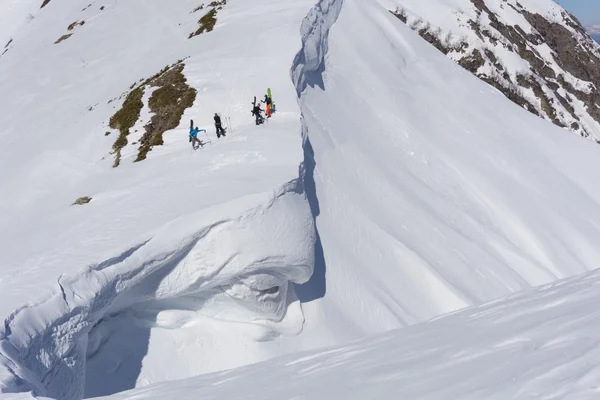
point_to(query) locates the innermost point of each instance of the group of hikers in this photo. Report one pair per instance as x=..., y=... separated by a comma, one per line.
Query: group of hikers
x=194, y=131
x=257, y=112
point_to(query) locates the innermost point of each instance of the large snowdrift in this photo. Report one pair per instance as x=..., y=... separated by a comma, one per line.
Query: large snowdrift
x=197, y=265
x=539, y=344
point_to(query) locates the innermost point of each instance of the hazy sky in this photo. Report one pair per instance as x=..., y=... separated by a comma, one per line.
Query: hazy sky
x=587, y=11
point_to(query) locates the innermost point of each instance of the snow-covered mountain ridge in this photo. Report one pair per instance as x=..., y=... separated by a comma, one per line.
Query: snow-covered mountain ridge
x=390, y=187
x=535, y=52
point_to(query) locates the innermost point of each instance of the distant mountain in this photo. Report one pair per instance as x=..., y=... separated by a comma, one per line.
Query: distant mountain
x=534, y=52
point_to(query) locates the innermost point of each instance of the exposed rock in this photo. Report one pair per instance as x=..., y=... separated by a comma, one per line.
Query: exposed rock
x=563, y=62
x=472, y=62
x=510, y=91
x=400, y=14
x=434, y=39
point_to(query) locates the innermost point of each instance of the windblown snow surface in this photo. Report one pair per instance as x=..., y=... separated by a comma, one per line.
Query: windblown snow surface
x=390, y=187
x=539, y=344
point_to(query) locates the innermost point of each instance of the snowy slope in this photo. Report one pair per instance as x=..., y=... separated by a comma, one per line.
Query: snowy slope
x=538, y=344
x=532, y=50
x=434, y=191
x=430, y=192
x=67, y=269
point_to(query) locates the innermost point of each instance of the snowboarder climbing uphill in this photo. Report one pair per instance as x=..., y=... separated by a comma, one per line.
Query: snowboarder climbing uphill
x=256, y=111
x=218, y=126
x=194, y=136
x=268, y=103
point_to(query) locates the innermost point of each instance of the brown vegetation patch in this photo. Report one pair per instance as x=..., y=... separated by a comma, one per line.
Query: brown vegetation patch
x=200, y=7
x=168, y=103
x=124, y=119
x=82, y=200
x=129, y=113
x=63, y=38
x=208, y=20
x=75, y=24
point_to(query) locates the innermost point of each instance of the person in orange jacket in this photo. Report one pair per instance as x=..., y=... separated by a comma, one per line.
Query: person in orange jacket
x=268, y=103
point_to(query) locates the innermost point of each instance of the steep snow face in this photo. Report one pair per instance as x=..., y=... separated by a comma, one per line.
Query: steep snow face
x=533, y=51
x=434, y=192
x=538, y=344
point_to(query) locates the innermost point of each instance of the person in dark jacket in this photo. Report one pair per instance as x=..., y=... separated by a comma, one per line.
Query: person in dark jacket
x=256, y=111
x=218, y=126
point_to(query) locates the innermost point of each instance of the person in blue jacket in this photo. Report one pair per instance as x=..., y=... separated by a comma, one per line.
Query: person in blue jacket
x=194, y=137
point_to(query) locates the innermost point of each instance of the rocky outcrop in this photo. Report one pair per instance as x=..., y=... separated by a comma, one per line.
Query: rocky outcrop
x=540, y=57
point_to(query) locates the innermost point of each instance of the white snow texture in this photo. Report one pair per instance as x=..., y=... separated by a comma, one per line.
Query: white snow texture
x=390, y=187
